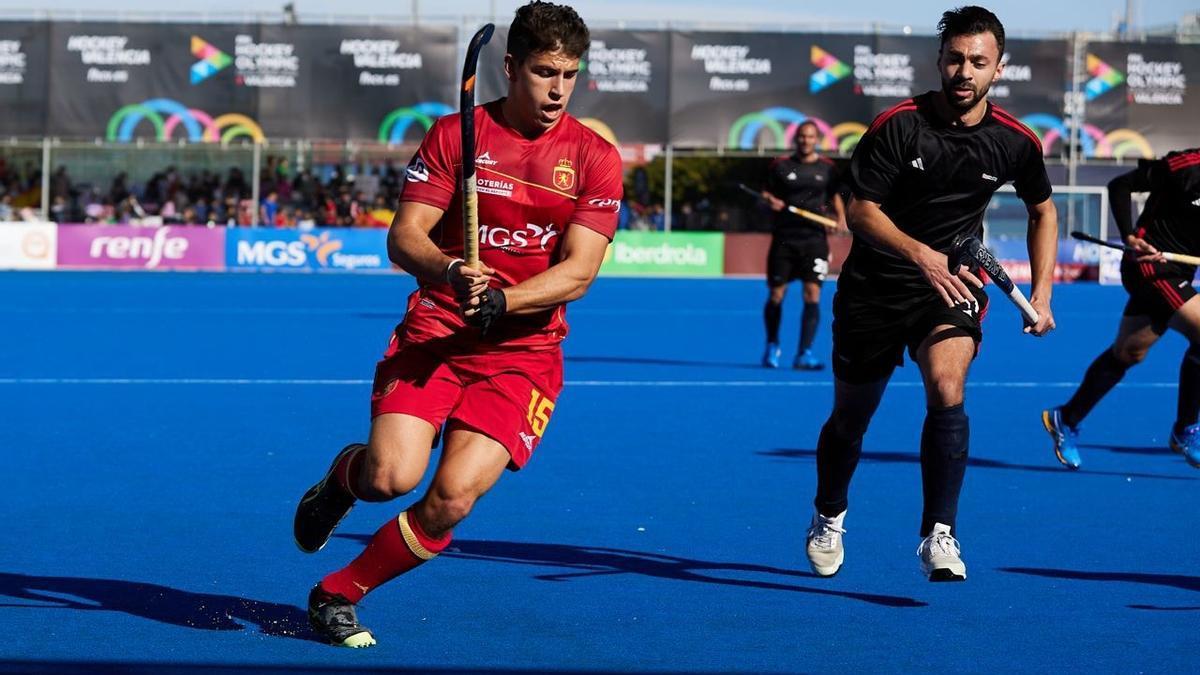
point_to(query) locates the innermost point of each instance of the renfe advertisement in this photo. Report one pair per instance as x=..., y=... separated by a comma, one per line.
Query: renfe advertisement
x=150, y=248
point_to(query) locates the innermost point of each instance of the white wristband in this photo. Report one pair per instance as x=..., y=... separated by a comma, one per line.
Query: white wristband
x=446, y=274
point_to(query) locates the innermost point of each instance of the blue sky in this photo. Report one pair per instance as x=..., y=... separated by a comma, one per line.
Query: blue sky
x=922, y=15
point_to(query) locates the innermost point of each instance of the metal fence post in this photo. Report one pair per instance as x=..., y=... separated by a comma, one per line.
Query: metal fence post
x=670, y=156
x=256, y=182
x=45, y=179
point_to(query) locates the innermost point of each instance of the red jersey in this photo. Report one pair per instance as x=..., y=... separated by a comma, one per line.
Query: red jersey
x=530, y=193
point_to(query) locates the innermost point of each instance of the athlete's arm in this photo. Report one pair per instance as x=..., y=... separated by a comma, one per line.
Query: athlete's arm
x=867, y=220
x=839, y=210
x=409, y=246
x=582, y=252
x=1042, y=241
x=1120, y=197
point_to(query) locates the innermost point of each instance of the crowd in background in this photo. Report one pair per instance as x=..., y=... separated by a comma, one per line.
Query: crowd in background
x=329, y=196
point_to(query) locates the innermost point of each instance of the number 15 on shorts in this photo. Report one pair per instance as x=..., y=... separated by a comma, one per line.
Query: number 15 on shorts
x=540, y=408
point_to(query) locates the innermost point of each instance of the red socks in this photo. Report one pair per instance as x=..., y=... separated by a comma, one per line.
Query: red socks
x=345, y=472
x=398, y=546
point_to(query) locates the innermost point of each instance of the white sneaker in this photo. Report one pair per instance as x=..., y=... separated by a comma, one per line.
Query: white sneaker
x=825, y=552
x=941, y=556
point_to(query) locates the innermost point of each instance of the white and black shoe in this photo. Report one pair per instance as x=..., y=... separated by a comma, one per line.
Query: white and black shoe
x=825, y=551
x=322, y=507
x=941, y=557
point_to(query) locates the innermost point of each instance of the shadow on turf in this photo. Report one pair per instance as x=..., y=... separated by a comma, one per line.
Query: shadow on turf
x=205, y=611
x=981, y=462
x=591, y=561
x=1179, y=581
x=1129, y=449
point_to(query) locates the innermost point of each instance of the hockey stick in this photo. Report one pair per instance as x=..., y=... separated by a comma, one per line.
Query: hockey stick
x=466, y=109
x=1172, y=257
x=803, y=213
x=971, y=249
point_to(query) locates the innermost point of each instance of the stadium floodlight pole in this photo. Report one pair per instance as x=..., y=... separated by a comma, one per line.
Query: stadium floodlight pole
x=1170, y=257
x=803, y=213
x=466, y=108
x=969, y=248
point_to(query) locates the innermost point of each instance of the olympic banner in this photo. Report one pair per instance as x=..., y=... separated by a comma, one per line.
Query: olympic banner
x=622, y=86
x=1139, y=100
x=681, y=254
x=28, y=246
x=145, y=248
x=749, y=90
x=24, y=73
x=384, y=83
x=319, y=249
x=164, y=81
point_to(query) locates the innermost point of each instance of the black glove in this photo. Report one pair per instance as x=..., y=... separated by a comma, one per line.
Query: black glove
x=492, y=305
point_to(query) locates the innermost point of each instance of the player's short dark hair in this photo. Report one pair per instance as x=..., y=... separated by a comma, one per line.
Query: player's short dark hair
x=970, y=20
x=808, y=123
x=545, y=27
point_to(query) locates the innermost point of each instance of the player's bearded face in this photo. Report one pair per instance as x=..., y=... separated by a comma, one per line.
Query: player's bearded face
x=541, y=85
x=969, y=64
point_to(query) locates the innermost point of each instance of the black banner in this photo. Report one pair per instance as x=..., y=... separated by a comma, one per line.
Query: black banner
x=622, y=87
x=750, y=90
x=165, y=81
x=362, y=82
x=1139, y=101
x=24, y=73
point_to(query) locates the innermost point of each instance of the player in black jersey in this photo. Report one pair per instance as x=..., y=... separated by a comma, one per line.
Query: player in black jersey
x=799, y=249
x=922, y=175
x=1160, y=297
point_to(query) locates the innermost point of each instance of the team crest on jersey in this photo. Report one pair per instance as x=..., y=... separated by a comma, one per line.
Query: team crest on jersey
x=564, y=175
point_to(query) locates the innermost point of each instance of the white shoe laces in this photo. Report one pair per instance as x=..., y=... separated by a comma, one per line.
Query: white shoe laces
x=941, y=544
x=824, y=532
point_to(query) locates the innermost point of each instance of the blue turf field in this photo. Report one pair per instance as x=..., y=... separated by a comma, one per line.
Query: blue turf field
x=159, y=428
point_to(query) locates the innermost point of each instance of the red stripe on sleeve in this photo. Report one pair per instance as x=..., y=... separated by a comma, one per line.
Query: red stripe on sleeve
x=889, y=113
x=1002, y=116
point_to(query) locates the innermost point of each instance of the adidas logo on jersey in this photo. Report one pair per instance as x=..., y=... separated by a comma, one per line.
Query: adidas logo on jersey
x=1196, y=203
x=918, y=164
x=527, y=440
x=988, y=176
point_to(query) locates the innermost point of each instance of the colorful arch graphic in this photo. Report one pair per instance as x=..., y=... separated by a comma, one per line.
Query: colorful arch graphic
x=599, y=127
x=745, y=130
x=397, y=122
x=1095, y=142
x=199, y=125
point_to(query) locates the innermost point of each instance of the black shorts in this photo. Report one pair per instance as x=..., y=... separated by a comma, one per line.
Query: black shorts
x=804, y=259
x=1156, y=289
x=869, y=336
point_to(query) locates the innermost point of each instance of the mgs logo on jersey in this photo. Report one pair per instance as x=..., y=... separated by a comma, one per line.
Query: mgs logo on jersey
x=516, y=241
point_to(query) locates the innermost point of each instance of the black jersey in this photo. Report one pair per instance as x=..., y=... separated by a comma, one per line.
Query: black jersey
x=808, y=185
x=935, y=181
x=1171, y=219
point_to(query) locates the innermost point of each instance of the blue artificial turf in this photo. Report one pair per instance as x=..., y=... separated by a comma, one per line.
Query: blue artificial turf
x=159, y=428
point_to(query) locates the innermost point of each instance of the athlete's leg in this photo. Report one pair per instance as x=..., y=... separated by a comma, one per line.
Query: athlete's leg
x=1185, y=436
x=840, y=443
x=810, y=320
x=944, y=358
x=1135, y=336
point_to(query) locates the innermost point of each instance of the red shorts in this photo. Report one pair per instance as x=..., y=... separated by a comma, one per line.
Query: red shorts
x=508, y=397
